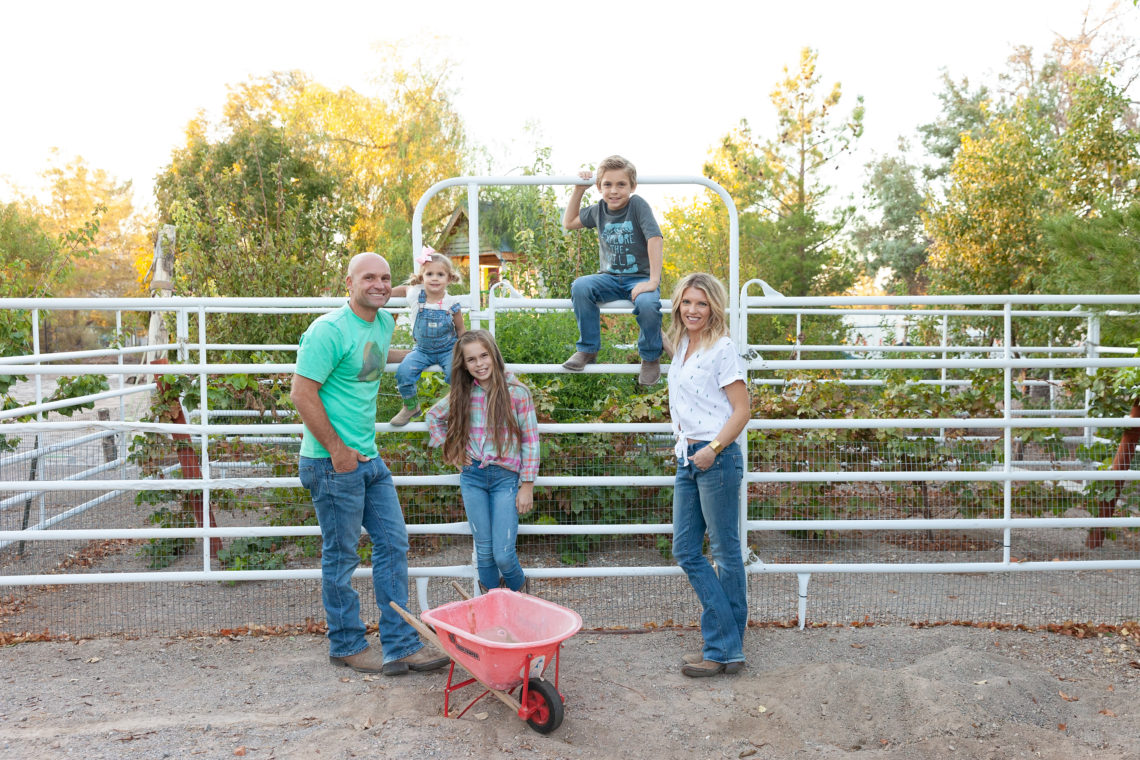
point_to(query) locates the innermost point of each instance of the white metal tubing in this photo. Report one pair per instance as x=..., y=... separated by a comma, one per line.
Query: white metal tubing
x=788, y=424
x=48, y=406
x=451, y=529
x=1007, y=443
x=72, y=482
x=36, y=532
x=473, y=250
x=89, y=354
x=852, y=349
x=828, y=304
x=204, y=439
x=1014, y=362
x=994, y=476
x=1006, y=474
x=802, y=584
x=1087, y=299
x=474, y=182
x=170, y=303
x=53, y=448
x=464, y=571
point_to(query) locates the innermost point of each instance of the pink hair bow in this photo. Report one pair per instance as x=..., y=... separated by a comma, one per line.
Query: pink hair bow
x=425, y=255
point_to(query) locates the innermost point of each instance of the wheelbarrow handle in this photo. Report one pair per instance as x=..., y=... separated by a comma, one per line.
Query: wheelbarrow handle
x=423, y=630
x=431, y=636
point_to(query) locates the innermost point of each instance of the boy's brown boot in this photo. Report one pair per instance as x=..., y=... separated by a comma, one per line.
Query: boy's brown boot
x=650, y=372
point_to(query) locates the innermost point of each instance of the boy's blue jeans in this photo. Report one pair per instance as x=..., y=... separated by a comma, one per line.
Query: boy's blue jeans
x=593, y=289
x=489, y=499
x=710, y=500
x=414, y=364
x=346, y=502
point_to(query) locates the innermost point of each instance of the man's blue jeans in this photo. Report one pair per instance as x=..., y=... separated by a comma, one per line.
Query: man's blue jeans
x=414, y=364
x=346, y=502
x=489, y=499
x=710, y=499
x=593, y=289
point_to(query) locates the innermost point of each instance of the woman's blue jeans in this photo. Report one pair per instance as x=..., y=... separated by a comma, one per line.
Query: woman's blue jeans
x=489, y=495
x=710, y=500
x=345, y=503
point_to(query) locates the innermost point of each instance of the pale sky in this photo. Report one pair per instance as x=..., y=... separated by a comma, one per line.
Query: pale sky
x=658, y=81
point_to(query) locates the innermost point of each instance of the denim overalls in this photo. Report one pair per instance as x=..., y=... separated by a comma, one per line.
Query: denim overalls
x=434, y=334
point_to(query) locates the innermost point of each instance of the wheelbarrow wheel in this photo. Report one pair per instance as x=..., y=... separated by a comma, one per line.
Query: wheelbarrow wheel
x=546, y=703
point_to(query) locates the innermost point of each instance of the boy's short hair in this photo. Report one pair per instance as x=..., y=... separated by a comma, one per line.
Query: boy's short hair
x=610, y=163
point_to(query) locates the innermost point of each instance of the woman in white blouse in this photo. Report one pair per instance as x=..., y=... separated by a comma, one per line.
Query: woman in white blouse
x=708, y=404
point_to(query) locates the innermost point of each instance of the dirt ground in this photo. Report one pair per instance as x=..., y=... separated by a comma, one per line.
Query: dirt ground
x=890, y=692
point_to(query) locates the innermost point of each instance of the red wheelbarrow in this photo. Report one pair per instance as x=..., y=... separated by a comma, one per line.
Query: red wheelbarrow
x=505, y=640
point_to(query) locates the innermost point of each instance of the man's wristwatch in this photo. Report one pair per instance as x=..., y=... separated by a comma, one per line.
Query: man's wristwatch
x=715, y=446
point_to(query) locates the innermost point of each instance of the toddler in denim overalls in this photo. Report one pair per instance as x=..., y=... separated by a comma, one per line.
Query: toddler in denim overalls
x=437, y=324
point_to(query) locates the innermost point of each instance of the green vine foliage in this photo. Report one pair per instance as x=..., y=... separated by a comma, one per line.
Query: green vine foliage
x=561, y=398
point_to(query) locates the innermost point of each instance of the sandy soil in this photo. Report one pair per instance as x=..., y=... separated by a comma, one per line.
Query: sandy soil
x=835, y=692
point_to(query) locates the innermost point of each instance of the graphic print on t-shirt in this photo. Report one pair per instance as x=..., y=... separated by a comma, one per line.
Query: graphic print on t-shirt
x=371, y=363
x=617, y=239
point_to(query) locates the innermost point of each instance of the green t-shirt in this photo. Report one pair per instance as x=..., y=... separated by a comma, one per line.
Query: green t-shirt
x=346, y=355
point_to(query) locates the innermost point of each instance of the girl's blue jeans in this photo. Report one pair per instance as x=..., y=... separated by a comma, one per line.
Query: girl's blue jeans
x=489, y=499
x=345, y=503
x=710, y=500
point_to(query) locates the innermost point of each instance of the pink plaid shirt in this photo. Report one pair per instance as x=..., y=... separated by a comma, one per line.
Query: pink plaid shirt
x=480, y=446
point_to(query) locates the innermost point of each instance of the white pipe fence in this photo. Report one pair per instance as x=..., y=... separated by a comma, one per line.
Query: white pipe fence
x=215, y=474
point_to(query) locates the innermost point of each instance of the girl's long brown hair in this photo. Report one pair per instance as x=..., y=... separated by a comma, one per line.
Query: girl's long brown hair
x=501, y=420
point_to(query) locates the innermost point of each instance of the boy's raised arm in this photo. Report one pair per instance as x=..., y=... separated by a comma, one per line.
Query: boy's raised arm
x=571, y=219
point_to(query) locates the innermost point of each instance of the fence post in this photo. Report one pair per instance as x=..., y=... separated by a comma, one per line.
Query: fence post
x=1091, y=351
x=161, y=285
x=473, y=254
x=1007, y=442
x=210, y=545
x=109, y=453
x=28, y=501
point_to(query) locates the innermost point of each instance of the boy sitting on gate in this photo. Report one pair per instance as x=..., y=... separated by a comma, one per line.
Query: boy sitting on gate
x=631, y=250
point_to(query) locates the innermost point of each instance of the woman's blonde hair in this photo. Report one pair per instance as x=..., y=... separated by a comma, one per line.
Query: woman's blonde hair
x=502, y=424
x=417, y=277
x=714, y=290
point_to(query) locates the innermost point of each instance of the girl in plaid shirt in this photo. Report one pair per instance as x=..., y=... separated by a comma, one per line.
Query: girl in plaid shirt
x=488, y=429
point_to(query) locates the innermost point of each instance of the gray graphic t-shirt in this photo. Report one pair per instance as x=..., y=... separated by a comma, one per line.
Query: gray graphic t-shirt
x=622, y=235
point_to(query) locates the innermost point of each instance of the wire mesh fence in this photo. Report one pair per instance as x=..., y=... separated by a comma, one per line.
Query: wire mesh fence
x=78, y=609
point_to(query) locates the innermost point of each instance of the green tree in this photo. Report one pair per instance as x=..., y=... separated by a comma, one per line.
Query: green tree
x=78, y=193
x=964, y=112
x=255, y=208
x=789, y=234
x=894, y=237
x=1096, y=253
x=1028, y=163
x=549, y=258
x=387, y=148
x=781, y=183
x=33, y=263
